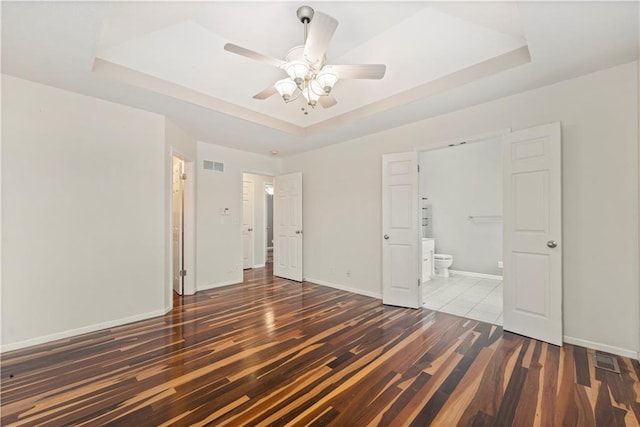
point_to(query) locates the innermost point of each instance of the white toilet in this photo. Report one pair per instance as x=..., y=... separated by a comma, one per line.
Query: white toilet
x=442, y=263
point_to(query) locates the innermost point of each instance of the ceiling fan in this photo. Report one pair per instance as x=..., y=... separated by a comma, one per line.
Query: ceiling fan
x=308, y=73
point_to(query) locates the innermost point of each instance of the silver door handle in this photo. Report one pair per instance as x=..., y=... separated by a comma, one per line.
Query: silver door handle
x=552, y=244
x=298, y=231
x=386, y=237
x=250, y=229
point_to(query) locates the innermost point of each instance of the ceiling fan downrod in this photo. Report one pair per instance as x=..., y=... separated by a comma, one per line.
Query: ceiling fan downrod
x=305, y=14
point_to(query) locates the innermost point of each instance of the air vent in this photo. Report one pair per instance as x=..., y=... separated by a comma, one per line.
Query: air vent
x=213, y=166
x=606, y=362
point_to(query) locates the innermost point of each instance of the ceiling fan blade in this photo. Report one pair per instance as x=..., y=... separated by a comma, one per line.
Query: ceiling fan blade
x=359, y=71
x=327, y=101
x=322, y=29
x=230, y=47
x=271, y=90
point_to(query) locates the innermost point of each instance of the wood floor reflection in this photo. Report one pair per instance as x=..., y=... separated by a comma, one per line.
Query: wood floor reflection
x=274, y=352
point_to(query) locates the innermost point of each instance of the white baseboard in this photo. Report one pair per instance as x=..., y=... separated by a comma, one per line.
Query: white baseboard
x=259, y=265
x=83, y=330
x=345, y=288
x=218, y=284
x=472, y=274
x=601, y=347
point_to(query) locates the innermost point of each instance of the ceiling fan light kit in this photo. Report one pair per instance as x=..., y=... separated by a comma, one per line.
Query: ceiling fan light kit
x=305, y=64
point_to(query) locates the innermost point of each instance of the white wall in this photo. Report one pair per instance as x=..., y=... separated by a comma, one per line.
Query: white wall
x=183, y=145
x=259, y=219
x=219, y=242
x=460, y=181
x=599, y=114
x=83, y=213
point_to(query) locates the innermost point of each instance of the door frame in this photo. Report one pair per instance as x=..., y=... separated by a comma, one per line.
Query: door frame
x=189, y=225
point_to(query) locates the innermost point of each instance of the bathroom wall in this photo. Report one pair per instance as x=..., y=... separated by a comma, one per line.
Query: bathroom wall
x=462, y=181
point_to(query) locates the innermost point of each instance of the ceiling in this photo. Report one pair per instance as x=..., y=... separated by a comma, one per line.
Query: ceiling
x=168, y=58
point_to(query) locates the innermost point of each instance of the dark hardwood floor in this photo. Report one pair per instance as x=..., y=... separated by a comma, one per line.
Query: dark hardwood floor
x=274, y=352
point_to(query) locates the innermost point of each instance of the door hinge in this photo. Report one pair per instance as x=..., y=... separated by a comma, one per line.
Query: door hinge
x=183, y=273
x=418, y=168
x=418, y=282
x=183, y=176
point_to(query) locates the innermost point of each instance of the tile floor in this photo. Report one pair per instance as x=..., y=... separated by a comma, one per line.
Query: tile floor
x=471, y=297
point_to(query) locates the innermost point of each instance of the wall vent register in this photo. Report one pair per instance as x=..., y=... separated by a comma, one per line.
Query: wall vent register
x=606, y=362
x=213, y=166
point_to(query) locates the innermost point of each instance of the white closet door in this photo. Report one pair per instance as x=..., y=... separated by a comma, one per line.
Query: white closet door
x=287, y=224
x=247, y=224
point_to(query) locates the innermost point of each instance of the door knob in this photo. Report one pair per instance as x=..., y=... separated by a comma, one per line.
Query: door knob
x=386, y=237
x=552, y=244
x=250, y=229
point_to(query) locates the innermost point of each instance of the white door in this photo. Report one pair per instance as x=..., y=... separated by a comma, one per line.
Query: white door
x=400, y=232
x=533, y=233
x=247, y=224
x=287, y=224
x=177, y=222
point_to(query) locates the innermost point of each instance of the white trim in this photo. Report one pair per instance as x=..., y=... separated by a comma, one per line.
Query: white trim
x=220, y=284
x=259, y=265
x=376, y=295
x=472, y=274
x=258, y=172
x=83, y=330
x=598, y=346
x=500, y=133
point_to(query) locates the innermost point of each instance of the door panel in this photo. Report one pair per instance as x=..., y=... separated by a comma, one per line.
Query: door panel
x=247, y=224
x=400, y=234
x=287, y=251
x=533, y=233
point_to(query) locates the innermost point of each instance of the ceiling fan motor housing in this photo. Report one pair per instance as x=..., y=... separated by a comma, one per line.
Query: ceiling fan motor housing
x=305, y=14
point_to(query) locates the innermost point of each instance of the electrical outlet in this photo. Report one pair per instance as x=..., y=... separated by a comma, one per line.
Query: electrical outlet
x=499, y=264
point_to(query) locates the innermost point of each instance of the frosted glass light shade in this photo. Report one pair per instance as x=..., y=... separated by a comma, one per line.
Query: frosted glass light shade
x=312, y=92
x=285, y=88
x=297, y=70
x=326, y=80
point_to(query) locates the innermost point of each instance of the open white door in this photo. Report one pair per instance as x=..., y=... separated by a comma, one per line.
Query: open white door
x=533, y=233
x=287, y=224
x=400, y=230
x=247, y=224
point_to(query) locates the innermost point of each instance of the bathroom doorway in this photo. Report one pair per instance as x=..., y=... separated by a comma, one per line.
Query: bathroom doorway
x=257, y=220
x=461, y=228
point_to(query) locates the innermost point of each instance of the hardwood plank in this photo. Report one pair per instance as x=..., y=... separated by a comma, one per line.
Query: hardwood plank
x=270, y=351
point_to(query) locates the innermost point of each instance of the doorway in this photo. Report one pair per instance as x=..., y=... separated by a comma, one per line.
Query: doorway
x=268, y=203
x=461, y=225
x=257, y=220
